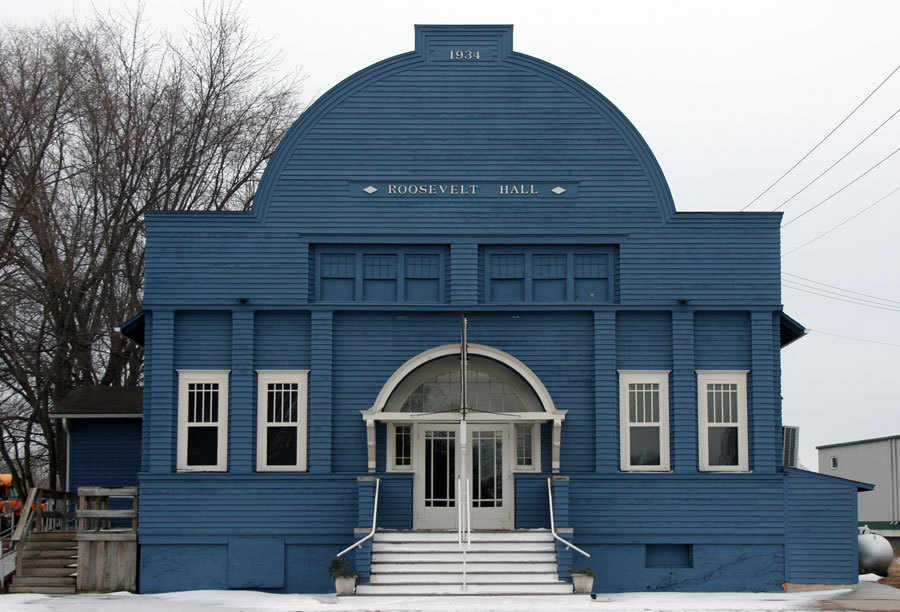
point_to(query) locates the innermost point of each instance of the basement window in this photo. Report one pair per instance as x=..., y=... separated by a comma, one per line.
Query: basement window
x=668, y=555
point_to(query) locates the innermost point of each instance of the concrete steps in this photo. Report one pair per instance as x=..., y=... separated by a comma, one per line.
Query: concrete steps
x=496, y=563
x=49, y=564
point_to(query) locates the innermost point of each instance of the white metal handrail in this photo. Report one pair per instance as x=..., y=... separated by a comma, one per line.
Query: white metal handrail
x=464, y=527
x=374, y=520
x=468, y=513
x=553, y=524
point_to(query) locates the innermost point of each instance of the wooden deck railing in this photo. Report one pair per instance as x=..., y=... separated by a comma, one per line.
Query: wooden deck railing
x=107, y=553
x=44, y=510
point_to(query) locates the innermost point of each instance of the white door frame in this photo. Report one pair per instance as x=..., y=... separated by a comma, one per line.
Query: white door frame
x=446, y=517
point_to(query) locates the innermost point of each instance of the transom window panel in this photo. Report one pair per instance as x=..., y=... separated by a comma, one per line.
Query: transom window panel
x=379, y=274
x=507, y=278
x=485, y=393
x=380, y=278
x=281, y=420
x=591, y=278
x=546, y=274
x=722, y=420
x=422, y=282
x=548, y=277
x=644, y=417
x=435, y=387
x=202, y=442
x=338, y=271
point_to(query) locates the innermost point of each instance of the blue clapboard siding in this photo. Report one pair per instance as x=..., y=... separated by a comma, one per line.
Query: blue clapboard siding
x=765, y=442
x=515, y=120
x=776, y=390
x=148, y=390
x=690, y=291
x=160, y=414
x=281, y=340
x=821, y=542
x=747, y=567
x=211, y=507
x=532, y=501
x=194, y=517
x=671, y=508
x=464, y=273
x=395, y=505
x=722, y=340
x=644, y=340
x=193, y=268
x=104, y=452
x=203, y=340
x=683, y=442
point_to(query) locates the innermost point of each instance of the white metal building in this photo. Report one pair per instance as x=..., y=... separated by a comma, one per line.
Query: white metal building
x=876, y=461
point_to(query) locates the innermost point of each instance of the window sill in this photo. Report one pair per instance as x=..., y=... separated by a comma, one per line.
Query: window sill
x=725, y=471
x=281, y=470
x=634, y=471
x=201, y=470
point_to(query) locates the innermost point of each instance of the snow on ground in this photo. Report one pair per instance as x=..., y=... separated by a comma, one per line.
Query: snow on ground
x=251, y=601
x=870, y=577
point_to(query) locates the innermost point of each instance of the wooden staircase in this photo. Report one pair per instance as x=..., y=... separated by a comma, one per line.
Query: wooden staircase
x=496, y=563
x=57, y=555
x=48, y=563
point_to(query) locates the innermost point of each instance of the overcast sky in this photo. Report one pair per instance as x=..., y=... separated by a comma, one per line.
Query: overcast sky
x=729, y=95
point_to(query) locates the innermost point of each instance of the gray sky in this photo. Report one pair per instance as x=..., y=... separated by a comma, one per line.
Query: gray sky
x=729, y=95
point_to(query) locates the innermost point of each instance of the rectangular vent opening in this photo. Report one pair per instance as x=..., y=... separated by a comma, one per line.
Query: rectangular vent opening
x=668, y=555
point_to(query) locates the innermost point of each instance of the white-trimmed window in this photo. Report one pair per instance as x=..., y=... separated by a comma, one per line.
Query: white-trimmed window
x=281, y=420
x=644, y=420
x=834, y=463
x=399, y=447
x=722, y=419
x=202, y=420
x=527, y=438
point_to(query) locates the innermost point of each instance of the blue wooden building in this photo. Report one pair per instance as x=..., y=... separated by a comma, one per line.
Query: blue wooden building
x=303, y=353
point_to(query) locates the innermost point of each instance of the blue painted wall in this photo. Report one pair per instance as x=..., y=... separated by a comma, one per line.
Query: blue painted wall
x=104, y=452
x=680, y=292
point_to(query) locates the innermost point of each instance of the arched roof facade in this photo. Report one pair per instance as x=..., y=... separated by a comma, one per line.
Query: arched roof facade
x=504, y=118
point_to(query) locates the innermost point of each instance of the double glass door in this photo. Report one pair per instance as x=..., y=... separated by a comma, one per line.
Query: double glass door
x=438, y=467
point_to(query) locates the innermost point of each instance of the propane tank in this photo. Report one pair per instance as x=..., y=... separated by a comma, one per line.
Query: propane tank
x=875, y=553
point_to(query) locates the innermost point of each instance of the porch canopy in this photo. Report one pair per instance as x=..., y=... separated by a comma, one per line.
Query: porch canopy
x=500, y=388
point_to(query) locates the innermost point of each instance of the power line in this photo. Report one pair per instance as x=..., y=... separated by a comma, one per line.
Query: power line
x=818, y=331
x=808, y=153
x=843, y=299
x=828, y=292
x=815, y=206
x=843, y=157
x=879, y=201
x=841, y=288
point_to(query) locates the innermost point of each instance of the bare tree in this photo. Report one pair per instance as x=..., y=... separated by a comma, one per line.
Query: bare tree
x=99, y=122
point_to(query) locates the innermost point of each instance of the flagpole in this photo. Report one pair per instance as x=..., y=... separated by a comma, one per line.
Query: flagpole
x=463, y=442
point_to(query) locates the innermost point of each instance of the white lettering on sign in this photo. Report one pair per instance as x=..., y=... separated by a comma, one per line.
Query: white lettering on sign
x=464, y=54
x=488, y=189
x=518, y=190
x=432, y=189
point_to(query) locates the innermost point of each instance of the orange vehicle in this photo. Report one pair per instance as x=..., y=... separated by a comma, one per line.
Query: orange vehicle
x=9, y=498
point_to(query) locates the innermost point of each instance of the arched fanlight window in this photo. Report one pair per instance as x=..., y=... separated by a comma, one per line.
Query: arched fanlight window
x=435, y=387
